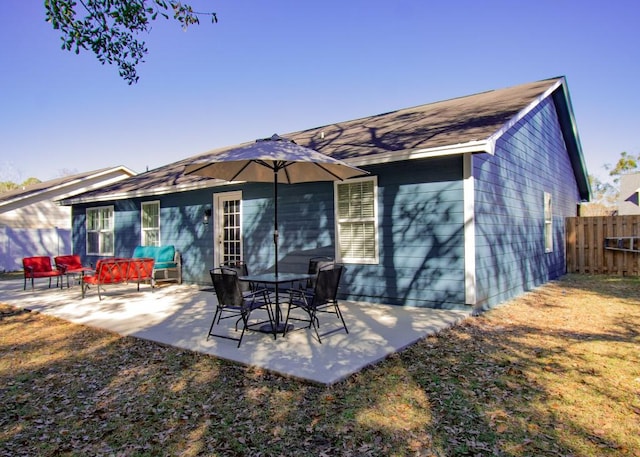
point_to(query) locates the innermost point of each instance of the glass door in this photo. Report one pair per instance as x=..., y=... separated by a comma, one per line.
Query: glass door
x=228, y=227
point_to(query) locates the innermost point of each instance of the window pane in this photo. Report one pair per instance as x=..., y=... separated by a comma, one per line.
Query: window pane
x=93, y=242
x=548, y=223
x=357, y=225
x=105, y=219
x=150, y=223
x=150, y=215
x=151, y=238
x=106, y=242
x=100, y=231
x=92, y=219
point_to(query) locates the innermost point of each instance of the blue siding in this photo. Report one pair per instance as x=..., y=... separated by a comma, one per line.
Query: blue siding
x=305, y=224
x=180, y=225
x=420, y=213
x=530, y=159
x=420, y=232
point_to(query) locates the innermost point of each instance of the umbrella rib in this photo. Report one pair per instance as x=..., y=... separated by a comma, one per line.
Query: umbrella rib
x=329, y=171
x=233, y=178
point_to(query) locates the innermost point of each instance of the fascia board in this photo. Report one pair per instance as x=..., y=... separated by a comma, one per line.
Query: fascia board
x=61, y=191
x=454, y=149
x=143, y=193
x=518, y=117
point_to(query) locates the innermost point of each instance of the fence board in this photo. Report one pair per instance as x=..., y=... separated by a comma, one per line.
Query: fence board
x=586, y=253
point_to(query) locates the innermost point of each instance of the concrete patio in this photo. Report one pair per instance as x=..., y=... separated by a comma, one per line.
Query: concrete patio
x=180, y=315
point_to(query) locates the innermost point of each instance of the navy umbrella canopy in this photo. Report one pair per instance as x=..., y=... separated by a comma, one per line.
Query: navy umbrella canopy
x=276, y=159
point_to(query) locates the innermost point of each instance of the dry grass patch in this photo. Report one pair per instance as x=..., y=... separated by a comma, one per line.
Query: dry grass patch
x=556, y=372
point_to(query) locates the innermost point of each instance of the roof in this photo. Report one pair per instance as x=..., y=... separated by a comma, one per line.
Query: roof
x=466, y=124
x=63, y=187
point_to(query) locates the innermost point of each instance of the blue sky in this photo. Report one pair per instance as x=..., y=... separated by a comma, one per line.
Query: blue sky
x=284, y=65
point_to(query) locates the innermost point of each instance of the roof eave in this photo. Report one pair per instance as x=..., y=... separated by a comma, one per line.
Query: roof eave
x=142, y=193
x=475, y=146
x=67, y=184
x=572, y=140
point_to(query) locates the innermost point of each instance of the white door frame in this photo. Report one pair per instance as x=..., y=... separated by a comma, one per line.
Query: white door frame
x=221, y=223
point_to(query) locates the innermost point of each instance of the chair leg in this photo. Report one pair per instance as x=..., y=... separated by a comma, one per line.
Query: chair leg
x=216, y=316
x=286, y=321
x=245, y=320
x=339, y=313
x=313, y=318
x=272, y=320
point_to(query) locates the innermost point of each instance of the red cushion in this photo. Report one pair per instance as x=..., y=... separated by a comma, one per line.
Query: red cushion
x=38, y=267
x=68, y=263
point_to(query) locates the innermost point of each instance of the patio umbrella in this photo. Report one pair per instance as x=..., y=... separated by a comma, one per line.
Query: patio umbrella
x=276, y=159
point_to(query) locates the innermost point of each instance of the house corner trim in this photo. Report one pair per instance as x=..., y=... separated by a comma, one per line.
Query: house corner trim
x=469, y=231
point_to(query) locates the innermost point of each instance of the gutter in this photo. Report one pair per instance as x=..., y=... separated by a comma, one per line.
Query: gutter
x=144, y=193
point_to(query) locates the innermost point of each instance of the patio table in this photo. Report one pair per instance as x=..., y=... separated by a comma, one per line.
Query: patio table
x=276, y=280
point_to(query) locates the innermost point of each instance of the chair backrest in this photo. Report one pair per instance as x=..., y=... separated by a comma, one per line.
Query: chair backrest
x=227, y=286
x=327, y=283
x=68, y=262
x=241, y=268
x=140, y=269
x=37, y=264
x=111, y=271
x=316, y=264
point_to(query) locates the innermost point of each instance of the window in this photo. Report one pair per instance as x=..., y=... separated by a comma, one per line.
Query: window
x=150, y=214
x=548, y=223
x=356, y=220
x=100, y=230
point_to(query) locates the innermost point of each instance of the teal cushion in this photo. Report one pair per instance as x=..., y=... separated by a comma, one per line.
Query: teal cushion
x=143, y=251
x=162, y=265
x=161, y=254
x=164, y=254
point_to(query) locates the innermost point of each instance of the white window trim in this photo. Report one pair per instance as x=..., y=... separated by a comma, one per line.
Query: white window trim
x=548, y=223
x=142, y=229
x=113, y=223
x=375, y=260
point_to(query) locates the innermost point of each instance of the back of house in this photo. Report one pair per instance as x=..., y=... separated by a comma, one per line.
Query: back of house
x=463, y=206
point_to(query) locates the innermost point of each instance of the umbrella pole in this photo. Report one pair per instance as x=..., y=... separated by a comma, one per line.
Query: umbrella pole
x=275, y=223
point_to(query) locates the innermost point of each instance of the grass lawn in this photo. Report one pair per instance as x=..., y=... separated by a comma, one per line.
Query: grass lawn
x=553, y=373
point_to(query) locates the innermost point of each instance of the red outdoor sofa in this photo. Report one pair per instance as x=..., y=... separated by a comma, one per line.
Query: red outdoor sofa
x=118, y=271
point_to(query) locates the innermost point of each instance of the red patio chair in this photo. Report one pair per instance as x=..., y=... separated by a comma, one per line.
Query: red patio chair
x=39, y=267
x=70, y=265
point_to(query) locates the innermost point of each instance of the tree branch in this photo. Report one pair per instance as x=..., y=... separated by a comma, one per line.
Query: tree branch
x=109, y=28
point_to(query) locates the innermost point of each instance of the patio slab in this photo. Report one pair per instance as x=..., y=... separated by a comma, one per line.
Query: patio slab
x=180, y=315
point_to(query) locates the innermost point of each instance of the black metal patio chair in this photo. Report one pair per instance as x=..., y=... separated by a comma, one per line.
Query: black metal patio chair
x=242, y=269
x=322, y=299
x=316, y=264
x=233, y=302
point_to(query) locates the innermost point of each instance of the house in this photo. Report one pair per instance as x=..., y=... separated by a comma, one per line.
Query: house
x=629, y=198
x=464, y=206
x=32, y=223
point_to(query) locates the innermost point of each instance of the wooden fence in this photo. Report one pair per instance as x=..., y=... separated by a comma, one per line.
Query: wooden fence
x=603, y=245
